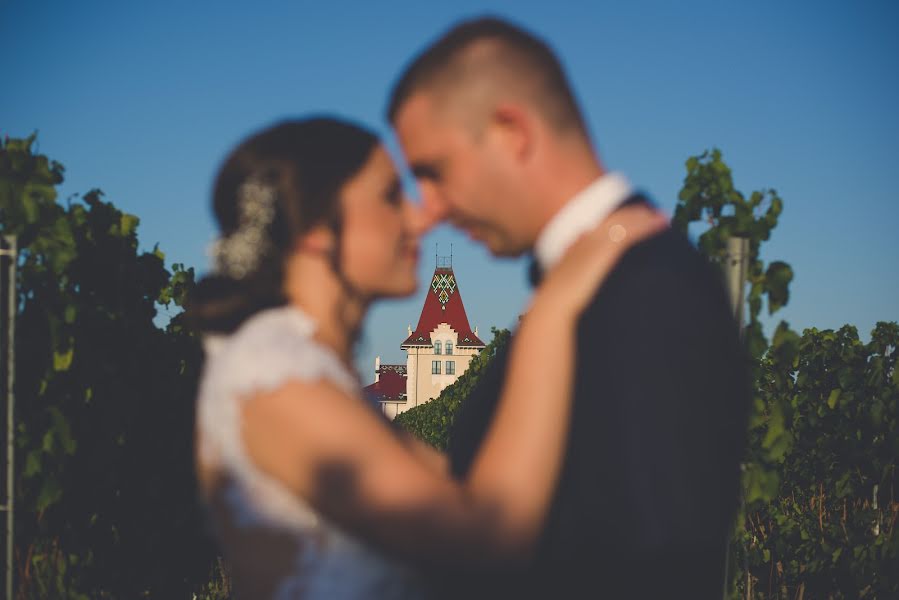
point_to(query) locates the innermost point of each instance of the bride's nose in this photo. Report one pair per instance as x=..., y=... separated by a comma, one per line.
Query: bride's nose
x=418, y=220
x=426, y=214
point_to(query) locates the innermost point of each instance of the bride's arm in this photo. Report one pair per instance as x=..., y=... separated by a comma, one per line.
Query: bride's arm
x=334, y=452
x=435, y=459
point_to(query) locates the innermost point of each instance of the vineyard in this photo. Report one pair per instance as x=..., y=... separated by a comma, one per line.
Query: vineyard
x=105, y=491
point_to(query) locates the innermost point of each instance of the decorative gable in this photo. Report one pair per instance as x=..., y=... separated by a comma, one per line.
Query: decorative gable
x=443, y=285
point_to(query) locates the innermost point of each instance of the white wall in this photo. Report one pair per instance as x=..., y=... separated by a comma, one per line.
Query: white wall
x=421, y=384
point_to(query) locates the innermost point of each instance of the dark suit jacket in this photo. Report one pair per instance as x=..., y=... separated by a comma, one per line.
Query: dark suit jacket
x=649, y=486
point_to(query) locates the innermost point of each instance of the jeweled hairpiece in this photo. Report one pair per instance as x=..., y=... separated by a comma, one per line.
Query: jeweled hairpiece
x=238, y=254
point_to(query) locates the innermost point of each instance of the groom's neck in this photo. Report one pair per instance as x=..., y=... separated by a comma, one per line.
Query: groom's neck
x=564, y=174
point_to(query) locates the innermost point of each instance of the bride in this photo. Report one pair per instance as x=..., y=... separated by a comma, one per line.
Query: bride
x=311, y=491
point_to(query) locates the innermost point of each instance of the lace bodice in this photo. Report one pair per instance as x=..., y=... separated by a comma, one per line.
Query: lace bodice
x=254, y=514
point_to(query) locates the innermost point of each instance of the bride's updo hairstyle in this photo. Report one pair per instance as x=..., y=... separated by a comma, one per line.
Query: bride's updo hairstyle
x=274, y=187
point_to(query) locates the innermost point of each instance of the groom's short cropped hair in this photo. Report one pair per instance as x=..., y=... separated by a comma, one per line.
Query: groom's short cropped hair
x=492, y=51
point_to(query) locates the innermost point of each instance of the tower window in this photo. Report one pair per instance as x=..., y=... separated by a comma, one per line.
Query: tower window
x=435, y=367
x=437, y=347
x=449, y=347
x=450, y=367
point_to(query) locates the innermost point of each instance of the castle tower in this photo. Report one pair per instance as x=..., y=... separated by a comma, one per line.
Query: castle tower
x=438, y=350
x=442, y=345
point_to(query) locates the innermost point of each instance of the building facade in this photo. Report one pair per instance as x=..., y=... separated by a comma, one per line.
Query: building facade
x=438, y=350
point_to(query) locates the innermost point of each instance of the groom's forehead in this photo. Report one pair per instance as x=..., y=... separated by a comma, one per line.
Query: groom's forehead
x=429, y=122
x=416, y=113
x=421, y=134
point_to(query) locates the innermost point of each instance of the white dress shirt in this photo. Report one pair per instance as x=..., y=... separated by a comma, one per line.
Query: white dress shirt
x=583, y=212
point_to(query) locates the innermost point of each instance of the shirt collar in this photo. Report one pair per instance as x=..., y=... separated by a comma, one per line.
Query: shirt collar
x=582, y=212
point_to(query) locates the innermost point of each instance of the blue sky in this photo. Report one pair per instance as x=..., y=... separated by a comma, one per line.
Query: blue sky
x=143, y=101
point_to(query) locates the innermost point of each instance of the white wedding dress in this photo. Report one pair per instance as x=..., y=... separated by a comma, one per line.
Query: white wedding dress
x=278, y=546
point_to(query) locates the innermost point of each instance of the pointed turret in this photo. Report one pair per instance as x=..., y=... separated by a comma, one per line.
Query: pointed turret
x=442, y=345
x=438, y=350
x=443, y=304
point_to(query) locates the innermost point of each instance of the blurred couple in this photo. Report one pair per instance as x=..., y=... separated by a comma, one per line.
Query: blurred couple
x=598, y=457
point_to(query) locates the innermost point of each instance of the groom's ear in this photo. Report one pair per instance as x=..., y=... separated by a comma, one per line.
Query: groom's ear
x=513, y=127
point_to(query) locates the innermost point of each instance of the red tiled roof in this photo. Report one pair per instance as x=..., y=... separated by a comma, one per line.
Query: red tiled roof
x=443, y=304
x=391, y=384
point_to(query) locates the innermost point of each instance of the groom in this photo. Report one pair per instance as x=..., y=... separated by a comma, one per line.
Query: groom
x=649, y=488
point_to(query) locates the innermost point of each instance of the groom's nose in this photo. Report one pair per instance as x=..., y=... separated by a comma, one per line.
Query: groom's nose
x=430, y=211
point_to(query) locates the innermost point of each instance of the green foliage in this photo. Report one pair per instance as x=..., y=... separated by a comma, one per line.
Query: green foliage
x=708, y=196
x=820, y=469
x=822, y=522
x=432, y=420
x=218, y=586
x=106, y=502
x=105, y=486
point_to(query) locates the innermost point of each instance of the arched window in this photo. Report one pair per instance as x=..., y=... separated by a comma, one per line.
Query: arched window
x=449, y=347
x=437, y=347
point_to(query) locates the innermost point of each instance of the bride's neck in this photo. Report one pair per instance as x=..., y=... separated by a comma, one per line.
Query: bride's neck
x=311, y=285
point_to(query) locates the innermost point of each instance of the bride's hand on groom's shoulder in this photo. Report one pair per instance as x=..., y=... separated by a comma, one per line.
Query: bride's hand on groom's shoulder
x=571, y=283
